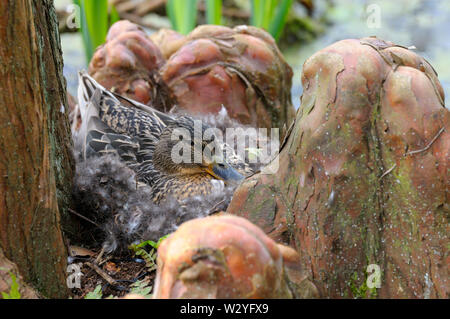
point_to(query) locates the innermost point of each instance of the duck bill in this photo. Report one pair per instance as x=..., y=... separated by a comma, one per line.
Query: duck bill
x=227, y=174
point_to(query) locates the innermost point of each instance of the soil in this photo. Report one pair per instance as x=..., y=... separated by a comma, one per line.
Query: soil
x=124, y=270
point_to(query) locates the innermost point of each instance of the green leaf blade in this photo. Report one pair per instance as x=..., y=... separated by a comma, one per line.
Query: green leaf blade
x=214, y=12
x=97, y=20
x=279, y=20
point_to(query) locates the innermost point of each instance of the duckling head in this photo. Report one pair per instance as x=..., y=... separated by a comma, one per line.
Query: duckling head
x=188, y=147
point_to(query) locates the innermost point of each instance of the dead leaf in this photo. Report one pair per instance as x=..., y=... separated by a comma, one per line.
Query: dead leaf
x=80, y=251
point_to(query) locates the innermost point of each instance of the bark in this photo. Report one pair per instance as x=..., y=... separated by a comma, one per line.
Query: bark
x=240, y=69
x=364, y=175
x=35, y=159
x=128, y=63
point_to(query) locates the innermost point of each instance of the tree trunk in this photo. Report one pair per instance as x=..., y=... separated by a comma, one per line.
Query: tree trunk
x=36, y=165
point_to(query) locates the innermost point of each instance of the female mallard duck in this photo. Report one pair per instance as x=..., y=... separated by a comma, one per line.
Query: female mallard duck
x=144, y=139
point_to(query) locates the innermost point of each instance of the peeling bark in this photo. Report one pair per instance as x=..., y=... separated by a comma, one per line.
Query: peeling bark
x=35, y=159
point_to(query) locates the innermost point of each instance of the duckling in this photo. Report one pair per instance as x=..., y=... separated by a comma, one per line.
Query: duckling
x=144, y=140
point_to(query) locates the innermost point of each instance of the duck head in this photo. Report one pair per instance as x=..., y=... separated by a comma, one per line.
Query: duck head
x=189, y=148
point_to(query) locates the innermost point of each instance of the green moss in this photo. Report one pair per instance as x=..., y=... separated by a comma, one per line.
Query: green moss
x=261, y=209
x=361, y=291
x=14, y=291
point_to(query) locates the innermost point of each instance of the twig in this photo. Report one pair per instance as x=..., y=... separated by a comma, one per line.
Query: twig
x=388, y=171
x=416, y=151
x=213, y=210
x=83, y=217
x=228, y=12
x=102, y=273
x=429, y=144
x=104, y=260
x=125, y=6
x=99, y=257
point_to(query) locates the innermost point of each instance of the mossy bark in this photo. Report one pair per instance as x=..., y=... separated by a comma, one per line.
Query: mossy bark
x=36, y=166
x=364, y=175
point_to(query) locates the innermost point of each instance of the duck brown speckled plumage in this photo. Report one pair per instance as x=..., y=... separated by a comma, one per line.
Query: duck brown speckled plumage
x=143, y=138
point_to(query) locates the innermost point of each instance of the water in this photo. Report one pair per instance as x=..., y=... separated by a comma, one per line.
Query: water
x=424, y=24
x=74, y=59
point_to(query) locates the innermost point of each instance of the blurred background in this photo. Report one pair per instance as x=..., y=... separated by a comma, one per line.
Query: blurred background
x=301, y=27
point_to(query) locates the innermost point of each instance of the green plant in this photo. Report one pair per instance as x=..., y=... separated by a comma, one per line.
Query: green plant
x=270, y=15
x=148, y=256
x=14, y=291
x=142, y=288
x=214, y=11
x=182, y=15
x=96, y=294
x=95, y=17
